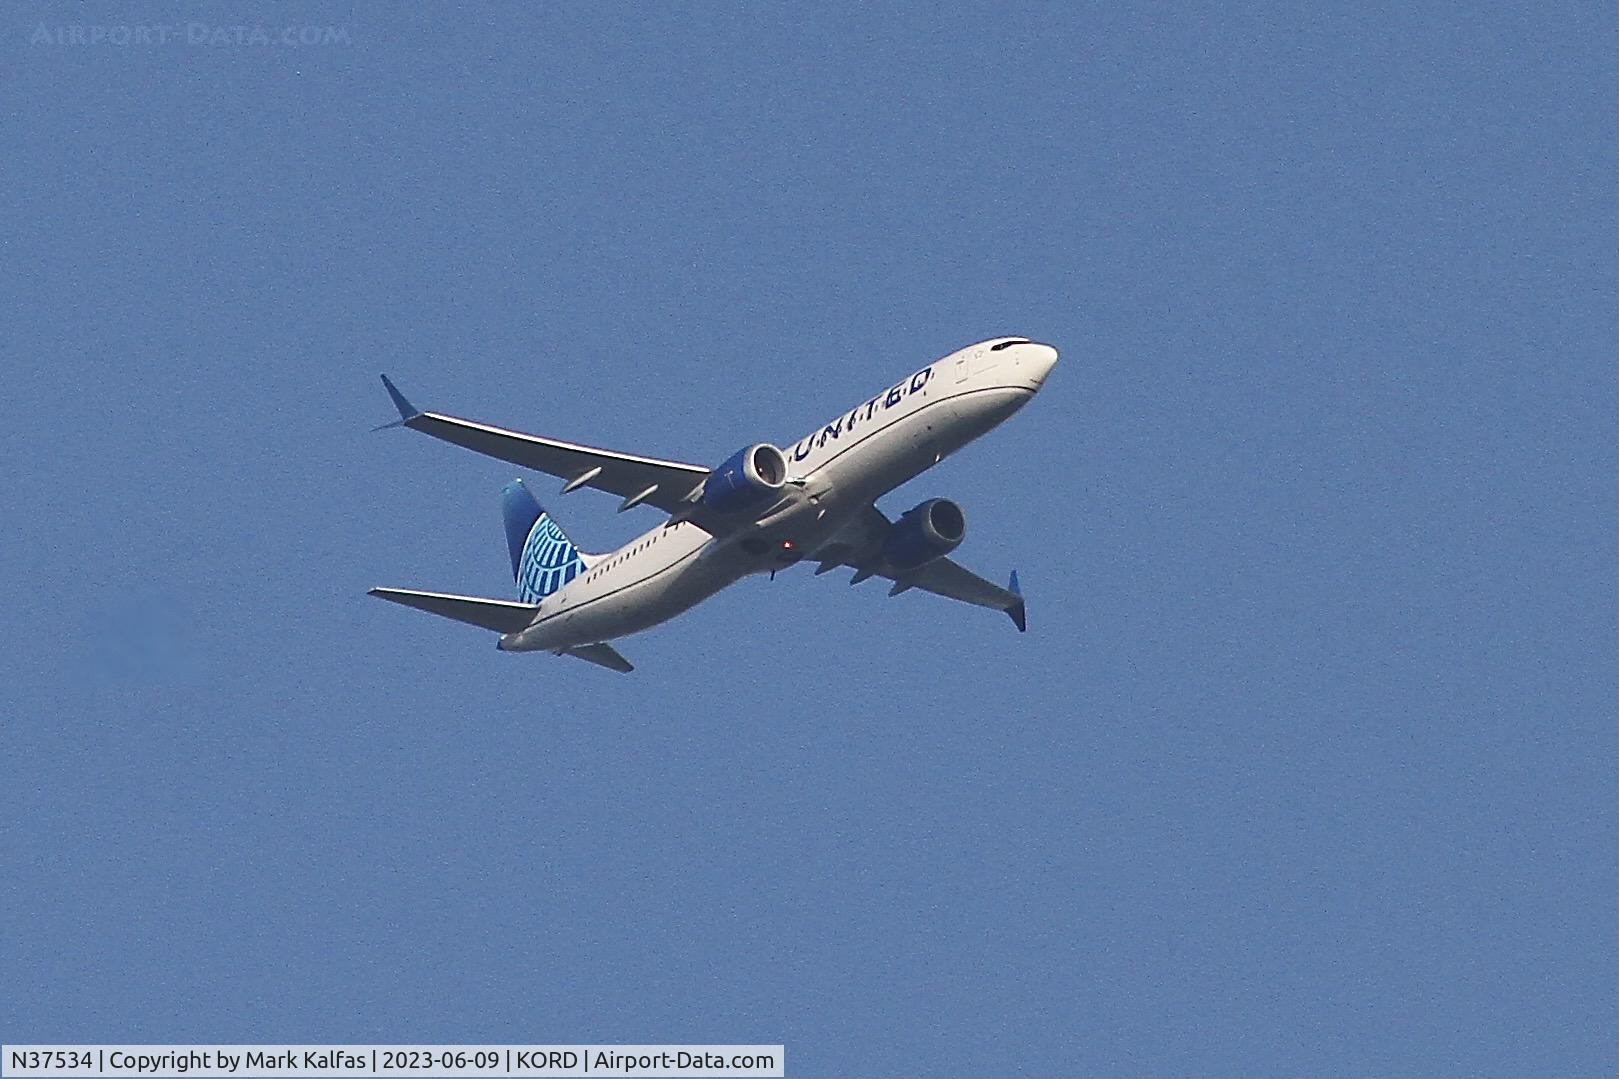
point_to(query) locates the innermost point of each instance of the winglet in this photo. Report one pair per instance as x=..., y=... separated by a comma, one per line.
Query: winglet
x=407, y=411
x=1017, y=612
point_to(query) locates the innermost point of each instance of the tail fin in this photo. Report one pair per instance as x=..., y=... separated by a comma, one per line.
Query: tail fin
x=543, y=557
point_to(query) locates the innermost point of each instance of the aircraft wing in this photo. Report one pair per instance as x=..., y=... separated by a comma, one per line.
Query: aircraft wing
x=860, y=547
x=664, y=484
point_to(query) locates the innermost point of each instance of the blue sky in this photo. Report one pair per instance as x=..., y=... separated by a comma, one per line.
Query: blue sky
x=1306, y=765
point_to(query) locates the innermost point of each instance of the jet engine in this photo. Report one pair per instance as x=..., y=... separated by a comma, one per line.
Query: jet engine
x=748, y=478
x=931, y=530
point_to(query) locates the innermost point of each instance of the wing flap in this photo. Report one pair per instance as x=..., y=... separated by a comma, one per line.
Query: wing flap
x=502, y=616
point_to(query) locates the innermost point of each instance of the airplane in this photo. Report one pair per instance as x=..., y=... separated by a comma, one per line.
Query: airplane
x=763, y=509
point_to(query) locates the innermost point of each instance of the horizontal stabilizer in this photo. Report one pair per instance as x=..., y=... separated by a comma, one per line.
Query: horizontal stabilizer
x=502, y=616
x=602, y=655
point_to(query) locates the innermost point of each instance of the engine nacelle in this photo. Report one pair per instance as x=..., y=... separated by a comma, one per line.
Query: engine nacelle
x=748, y=478
x=931, y=530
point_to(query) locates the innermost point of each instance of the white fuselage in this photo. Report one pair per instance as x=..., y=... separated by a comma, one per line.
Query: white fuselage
x=835, y=473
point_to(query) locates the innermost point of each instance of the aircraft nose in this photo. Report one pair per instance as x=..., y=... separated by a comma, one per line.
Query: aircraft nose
x=1041, y=359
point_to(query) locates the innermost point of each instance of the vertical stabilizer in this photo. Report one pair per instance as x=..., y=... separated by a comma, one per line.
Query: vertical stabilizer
x=543, y=557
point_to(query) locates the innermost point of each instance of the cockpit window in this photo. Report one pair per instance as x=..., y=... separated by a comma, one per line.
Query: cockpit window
x=1007, y=344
